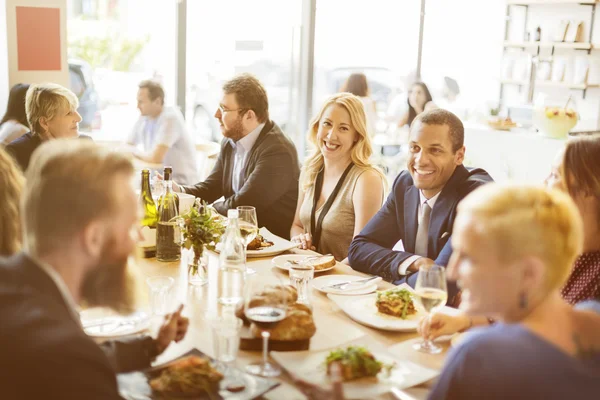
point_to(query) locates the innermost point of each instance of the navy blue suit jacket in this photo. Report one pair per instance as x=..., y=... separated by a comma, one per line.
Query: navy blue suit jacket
x=371, y=250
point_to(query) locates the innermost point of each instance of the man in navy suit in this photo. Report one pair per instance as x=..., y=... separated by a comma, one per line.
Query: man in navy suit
x=414, y=226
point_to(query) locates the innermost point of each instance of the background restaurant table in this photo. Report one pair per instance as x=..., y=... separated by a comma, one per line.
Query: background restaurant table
x=334, y=327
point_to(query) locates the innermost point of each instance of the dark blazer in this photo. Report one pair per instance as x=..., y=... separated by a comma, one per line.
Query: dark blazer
x=21, y=149
x=371, y=250
x=44, y=353
x=270, y=183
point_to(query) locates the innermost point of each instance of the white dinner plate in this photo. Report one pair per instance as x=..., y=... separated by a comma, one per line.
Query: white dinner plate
x=283, y=262
x=103, y=322
x=363, y=310
x=280, y=245
x=322, y=282
x=309, y=365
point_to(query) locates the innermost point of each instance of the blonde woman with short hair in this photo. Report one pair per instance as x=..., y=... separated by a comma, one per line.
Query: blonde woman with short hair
x=52, y=113
x=11, y=182
x=340, y=190
x=513, y=251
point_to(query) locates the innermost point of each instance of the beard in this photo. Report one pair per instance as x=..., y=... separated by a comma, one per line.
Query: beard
x=235, y=132
x=111, y=283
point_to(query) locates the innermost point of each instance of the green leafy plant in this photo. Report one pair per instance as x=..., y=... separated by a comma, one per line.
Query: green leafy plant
x=202, y=227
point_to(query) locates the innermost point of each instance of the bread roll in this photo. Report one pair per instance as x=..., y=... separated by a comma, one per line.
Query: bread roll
x=322, y=262
x=298, y=325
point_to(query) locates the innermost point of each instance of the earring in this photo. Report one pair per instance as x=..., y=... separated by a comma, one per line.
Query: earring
x=523, y=300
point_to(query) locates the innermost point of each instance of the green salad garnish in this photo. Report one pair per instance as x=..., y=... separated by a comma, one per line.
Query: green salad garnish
x=396, y=295
x=359, y=359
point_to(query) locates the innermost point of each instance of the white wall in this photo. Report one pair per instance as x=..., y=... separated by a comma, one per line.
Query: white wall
x=14, y=75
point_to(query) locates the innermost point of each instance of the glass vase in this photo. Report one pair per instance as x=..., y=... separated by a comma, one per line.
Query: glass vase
x=197, y=266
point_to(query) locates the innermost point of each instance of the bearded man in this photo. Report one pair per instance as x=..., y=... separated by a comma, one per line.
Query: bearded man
x=258, y=164
x=79, y=214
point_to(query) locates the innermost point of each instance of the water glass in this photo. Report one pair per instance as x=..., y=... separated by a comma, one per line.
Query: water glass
x=300, y=276
x=226, y=338
x=159, y=287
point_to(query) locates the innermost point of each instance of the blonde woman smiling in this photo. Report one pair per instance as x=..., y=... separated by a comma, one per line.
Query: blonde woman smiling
x=340, y=191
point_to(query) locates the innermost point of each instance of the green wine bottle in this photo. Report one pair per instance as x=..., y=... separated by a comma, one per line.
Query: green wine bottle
x=150, y=219
x=167, y=248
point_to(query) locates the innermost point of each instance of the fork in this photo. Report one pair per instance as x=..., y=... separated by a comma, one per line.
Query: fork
x=344, y=285
x=119, y=323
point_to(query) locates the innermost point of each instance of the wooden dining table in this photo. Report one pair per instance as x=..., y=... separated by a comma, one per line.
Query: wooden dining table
x=334, y=327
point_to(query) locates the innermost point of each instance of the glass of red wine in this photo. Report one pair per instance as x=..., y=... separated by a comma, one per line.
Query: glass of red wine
x=265, y=312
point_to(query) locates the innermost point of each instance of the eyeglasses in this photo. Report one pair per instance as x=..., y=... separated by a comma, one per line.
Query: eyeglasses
x=224, y=110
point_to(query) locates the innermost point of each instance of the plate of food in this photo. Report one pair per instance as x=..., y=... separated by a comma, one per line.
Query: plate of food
x=368, y=369
x=321, y=263
x=502, y=124
x=194, y=375
x=324, y=284
x=266, y=244
x=390, y=310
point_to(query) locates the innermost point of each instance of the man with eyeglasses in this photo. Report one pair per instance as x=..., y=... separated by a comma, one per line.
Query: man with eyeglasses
x=258, y=164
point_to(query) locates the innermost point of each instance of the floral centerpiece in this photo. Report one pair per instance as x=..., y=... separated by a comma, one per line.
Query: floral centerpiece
x=202, y=227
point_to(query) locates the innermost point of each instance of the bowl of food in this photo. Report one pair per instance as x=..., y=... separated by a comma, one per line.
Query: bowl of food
x=554, y=120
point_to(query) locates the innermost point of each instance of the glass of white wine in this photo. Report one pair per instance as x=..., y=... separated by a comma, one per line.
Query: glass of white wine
x=248, y=227
x=431, y=294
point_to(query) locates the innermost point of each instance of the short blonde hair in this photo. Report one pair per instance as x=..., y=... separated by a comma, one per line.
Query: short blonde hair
x=526, y=221
x=69, y=184
x=45, y=101
x=11, y=184
x=362, y=149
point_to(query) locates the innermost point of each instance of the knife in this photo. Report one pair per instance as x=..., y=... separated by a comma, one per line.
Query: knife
x=357, y=282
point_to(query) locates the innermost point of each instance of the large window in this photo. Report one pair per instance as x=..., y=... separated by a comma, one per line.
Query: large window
x=463, y=41
x=233, y=36
x=112, y=47
x=379, y=39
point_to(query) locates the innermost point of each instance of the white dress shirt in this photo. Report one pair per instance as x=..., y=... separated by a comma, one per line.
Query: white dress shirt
x=431, y=202
x=240, y=156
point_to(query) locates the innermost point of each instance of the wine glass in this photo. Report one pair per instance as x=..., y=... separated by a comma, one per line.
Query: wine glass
x=431, y=294
x=265, y=312
x=248, y=227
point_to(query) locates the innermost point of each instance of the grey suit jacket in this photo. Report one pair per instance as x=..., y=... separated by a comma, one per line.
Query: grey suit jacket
x=44, y=353
x=270, y=183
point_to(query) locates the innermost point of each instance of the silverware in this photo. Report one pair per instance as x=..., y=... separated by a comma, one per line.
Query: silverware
x=400, y=395
x=295, y=262
x=116, y=321
x=344, y=285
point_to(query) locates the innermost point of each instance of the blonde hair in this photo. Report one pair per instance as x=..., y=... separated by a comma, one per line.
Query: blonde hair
x=11, y=182
x=528, y=221
x=45, y=101
x=362, y=149
x=69, y=184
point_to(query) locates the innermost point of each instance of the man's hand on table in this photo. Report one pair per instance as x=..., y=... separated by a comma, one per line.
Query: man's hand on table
x=419, y=263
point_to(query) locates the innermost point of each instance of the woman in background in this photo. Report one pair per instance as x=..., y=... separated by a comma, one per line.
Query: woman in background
x=340, y=191
x=14, y=123
x=357, y=85
x=419, y=100
x=11, y=182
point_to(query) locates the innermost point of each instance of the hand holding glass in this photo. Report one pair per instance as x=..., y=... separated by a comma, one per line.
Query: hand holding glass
x=431, y=294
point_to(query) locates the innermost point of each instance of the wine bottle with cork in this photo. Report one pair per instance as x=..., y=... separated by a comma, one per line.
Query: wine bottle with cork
x=168, y=246
x=149, y=221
